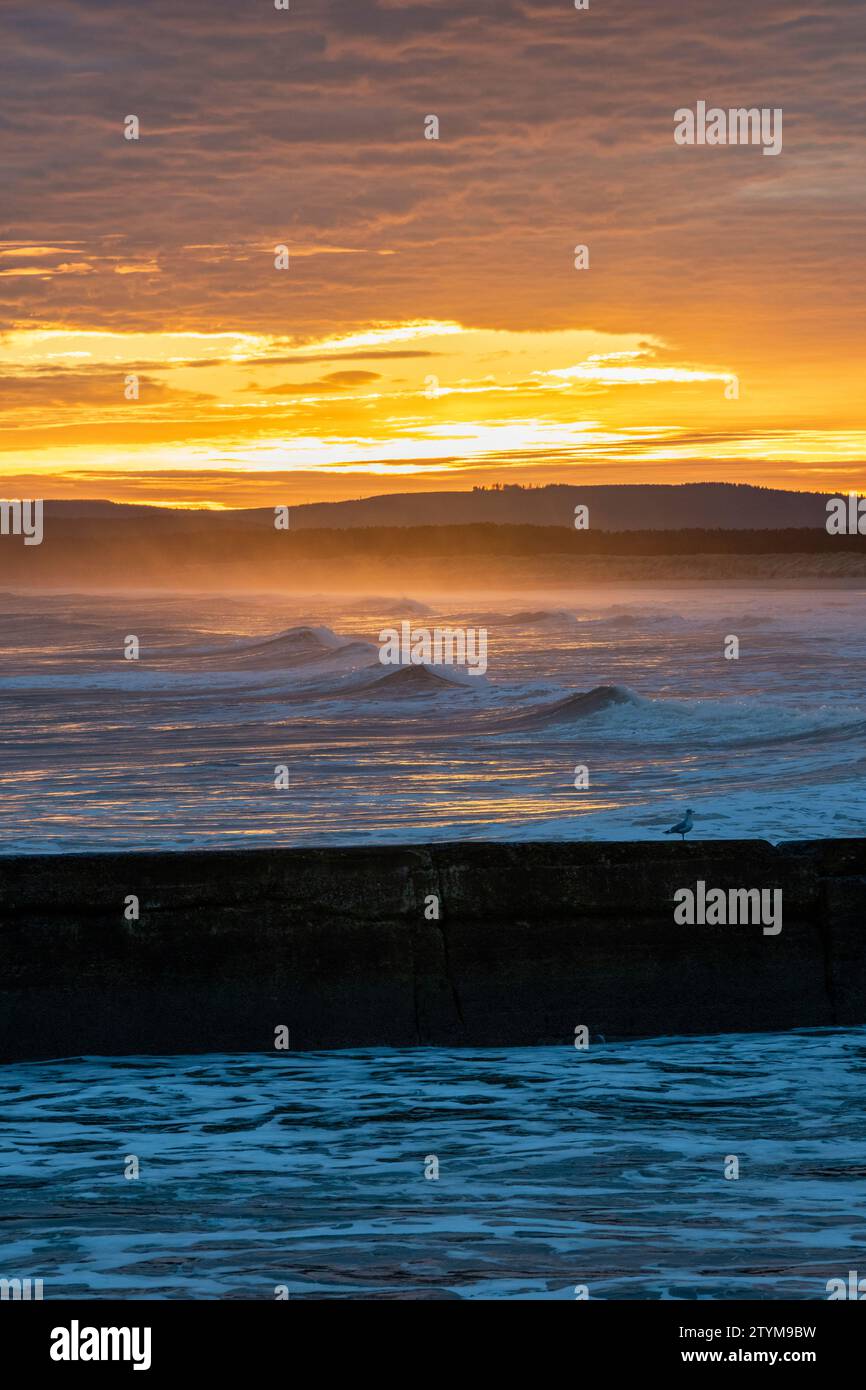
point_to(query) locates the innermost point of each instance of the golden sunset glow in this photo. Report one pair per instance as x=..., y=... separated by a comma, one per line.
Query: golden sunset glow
x=431, y=329
x=473, y=403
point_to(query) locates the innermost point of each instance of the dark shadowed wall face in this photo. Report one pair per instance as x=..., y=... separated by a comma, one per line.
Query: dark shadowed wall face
x=252, y=255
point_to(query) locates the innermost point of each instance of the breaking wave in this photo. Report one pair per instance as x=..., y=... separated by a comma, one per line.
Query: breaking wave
x=292, y=647
x=407, y=681
x=579, y=705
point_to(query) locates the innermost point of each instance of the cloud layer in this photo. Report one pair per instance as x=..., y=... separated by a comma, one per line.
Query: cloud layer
x=305, y=128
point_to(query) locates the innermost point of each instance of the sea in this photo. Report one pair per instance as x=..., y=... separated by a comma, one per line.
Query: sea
x=721, y=1167
x=725, y=1167
x=260, y=720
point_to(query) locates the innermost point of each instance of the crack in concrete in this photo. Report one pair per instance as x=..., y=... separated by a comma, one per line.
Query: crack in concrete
x=446, y=952
x=415, y=998
x=825, y=935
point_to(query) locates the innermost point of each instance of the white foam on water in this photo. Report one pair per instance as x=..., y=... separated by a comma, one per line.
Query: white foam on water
x=178, y=749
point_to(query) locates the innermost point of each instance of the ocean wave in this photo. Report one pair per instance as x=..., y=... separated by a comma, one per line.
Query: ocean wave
x=296, y=646
x=298, y=653
x=410, y=681
x=576, y=706
x=696, y=724
x=628, y=620
x=537, y=617
x=302, y=643
x=378, y=604
x=173, y=750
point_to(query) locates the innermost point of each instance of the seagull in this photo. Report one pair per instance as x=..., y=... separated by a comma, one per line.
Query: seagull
x=682, y=827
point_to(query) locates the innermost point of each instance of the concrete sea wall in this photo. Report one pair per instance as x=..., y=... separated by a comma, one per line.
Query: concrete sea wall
x=341, y=946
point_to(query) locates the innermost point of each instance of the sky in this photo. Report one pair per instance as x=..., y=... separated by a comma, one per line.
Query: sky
x=431, y=330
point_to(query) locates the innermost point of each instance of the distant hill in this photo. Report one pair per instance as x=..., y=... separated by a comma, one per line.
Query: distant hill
x=616, y=507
